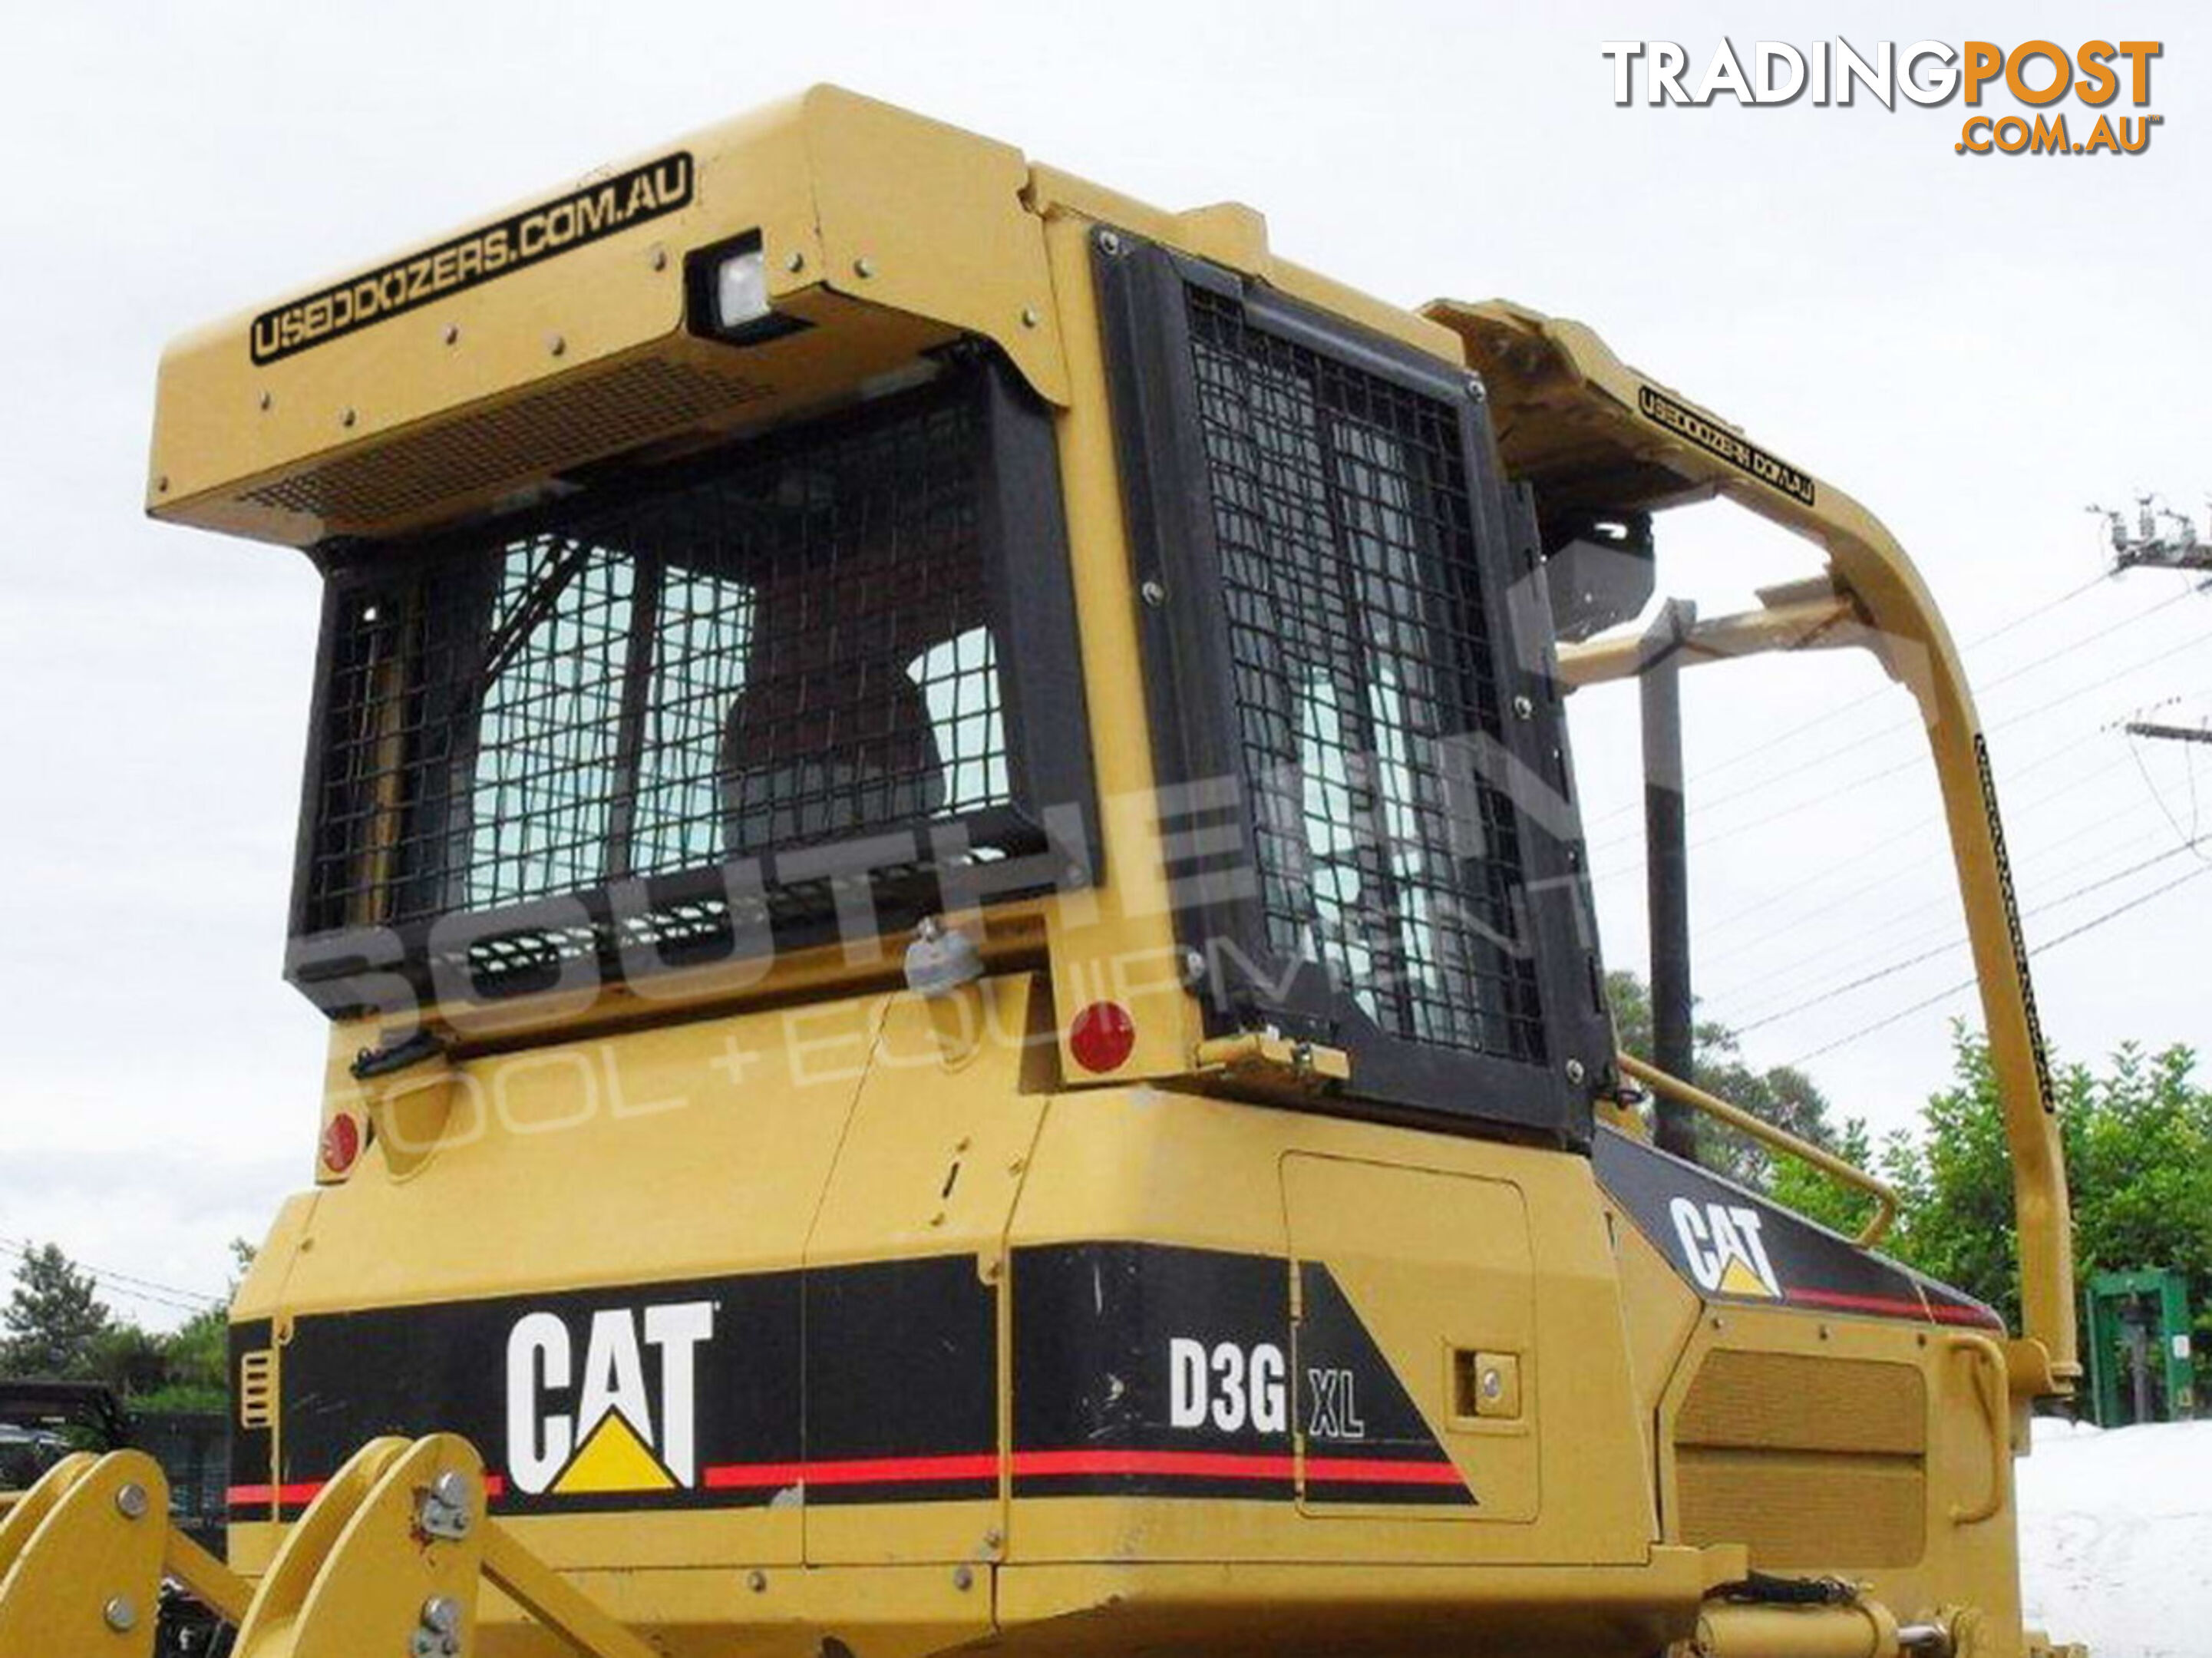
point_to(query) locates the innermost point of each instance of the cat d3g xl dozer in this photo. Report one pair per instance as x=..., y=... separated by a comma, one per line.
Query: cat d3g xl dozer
x=939, y=842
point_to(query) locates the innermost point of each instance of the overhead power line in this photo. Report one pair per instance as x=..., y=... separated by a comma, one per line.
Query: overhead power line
x=127, y=1286
x=1945, y=995
x=1786, y=974
x=1853, y=784
x=1957, y=941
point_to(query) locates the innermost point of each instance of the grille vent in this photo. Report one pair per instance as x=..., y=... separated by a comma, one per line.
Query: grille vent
x=578, y=419
x=1814, y=1463
x=257, y=1388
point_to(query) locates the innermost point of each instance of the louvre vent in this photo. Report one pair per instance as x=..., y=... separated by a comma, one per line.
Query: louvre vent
x=257, y=1388
x=1814, y=1463
x=580, y=419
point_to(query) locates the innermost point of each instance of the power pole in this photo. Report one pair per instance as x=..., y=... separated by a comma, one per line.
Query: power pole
x=2161, y=539
x=1666, y=872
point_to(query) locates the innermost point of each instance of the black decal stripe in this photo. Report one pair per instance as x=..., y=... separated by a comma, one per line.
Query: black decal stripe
x=523, y=239
x=1717, y=440
x=876, y=1382
x=1817, y=1269
x=1094, y=1325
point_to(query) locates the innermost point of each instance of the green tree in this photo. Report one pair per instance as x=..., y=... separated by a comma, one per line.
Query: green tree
x=1781, y=1095
x=55, y=1320
x=2138, y=1139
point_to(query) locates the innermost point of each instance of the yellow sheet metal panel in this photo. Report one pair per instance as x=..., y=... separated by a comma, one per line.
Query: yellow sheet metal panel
x=1177, y=1169
x=221, y=416
x=1804, y=1449
x=554, y=331
x=1437, y=1265
x=1116, y=942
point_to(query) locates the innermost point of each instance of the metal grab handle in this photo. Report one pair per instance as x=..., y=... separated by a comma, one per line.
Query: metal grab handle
x=1665, y=1082
x=1991, y=1390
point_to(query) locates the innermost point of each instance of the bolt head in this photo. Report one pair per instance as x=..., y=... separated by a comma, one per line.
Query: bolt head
x=1476, y=390
x=453, y=334
x=660, y=259
x=1523, y=709
x=347, y=416
x=756, y=1580
x=557, y=344
x=1575, y=1071
x=1493, y=1385
x=863, y=267
x=120, y=1614
x=131, y=1501
x=1029, y=318
x=441, y=1614
x=1108, y=243
x=796, y=261
x=1154, y=593
x=962, y=1578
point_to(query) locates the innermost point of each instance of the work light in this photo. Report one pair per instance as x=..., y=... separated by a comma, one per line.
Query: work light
x=727, y=287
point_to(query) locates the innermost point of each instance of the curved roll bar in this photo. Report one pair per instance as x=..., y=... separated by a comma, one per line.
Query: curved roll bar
x=1593, y=434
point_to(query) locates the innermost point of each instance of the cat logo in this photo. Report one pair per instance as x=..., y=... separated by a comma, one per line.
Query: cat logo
x=1722, y=1247
x=600, y=1429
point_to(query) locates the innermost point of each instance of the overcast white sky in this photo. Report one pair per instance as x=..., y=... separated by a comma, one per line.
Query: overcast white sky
x=1975, y=347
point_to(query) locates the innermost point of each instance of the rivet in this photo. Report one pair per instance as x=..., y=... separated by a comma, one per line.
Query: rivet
x=962, y=1144
x=131, y=1501
x=555, y=344
x=1108, y=243
x=122, y=1617
x=660, y=257
x=162, y=485
x=1029, y=318
x=1824, y=1332
x=346, y=417
x=937, y=1219
x=993, y=1538
x=1017, y=1165
x=962, y=1578
x=441, y=1614
x=268, y=401
x=1718, y=1324
x=1493, y=1385
x=1476, y=390
x=1154, y=593
x=1575, y=1071
x=757, y=1580
x=453, y=335
x=1523, y=709
x=796, y=263
x=863, y=267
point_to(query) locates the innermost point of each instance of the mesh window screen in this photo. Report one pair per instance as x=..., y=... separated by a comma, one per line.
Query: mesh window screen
x=790, y=647
x=1361, y=665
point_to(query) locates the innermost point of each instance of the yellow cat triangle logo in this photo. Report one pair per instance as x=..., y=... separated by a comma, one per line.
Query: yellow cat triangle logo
x=1738, y=1279
x=613, y=1458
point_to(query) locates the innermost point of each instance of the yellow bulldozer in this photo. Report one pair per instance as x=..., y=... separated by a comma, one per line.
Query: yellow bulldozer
x=939, y=842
